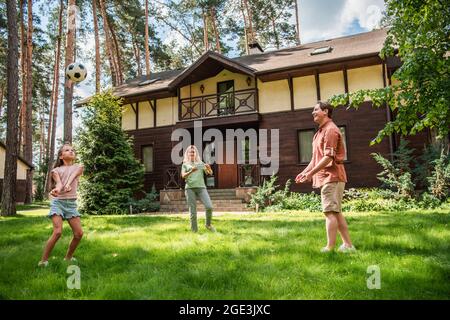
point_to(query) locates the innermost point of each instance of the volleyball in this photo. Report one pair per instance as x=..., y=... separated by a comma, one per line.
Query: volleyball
x=76, y=72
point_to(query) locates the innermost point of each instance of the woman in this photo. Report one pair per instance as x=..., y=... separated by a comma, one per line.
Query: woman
x=193, y=171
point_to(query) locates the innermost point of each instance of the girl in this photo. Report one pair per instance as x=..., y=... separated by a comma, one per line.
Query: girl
x=192, y=171
x=63, y=205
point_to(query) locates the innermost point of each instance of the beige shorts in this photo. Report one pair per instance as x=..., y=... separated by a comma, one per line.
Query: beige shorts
x=331, y=195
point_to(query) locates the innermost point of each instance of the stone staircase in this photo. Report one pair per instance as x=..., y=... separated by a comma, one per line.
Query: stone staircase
x=223, y=200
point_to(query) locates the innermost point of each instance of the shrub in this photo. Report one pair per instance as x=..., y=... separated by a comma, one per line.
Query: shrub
x=396, y=174
x=264, y=195
x=147, y=204
x=424, y=165
x=268, y=198
x=429, y=201
x=302, y=201
x=439, y=181
x=112, y=175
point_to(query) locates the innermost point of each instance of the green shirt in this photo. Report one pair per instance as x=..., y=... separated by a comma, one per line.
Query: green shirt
x=195, y=179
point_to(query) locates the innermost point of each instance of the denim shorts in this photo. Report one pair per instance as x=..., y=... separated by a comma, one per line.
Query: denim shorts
x=66, y=208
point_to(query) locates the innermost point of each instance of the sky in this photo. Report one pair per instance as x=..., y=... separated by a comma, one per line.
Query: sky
x=319, y=20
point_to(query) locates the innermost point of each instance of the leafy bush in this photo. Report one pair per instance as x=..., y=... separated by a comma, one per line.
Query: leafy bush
x=424, y=164
x=429, y=201
x=439, y=181
x=39, y=181
x=302, y=201
x=268, y=198
x=353, y=194
x=264, y=195
x=397, y=174
x=149, y=203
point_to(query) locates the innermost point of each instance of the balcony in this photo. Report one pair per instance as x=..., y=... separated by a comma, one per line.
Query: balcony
x=214, y=105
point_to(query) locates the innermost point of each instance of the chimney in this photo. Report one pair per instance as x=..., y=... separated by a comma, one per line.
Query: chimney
x=254, y=47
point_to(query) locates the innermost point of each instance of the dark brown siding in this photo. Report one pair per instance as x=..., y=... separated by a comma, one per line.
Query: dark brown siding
x=20, y=190
x=361, y=127
x=162, y=147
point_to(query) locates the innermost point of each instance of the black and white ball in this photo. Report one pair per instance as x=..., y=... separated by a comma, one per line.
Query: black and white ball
x=76, y=72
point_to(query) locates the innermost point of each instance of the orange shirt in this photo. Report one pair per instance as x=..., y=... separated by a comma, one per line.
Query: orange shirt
x=328, y=142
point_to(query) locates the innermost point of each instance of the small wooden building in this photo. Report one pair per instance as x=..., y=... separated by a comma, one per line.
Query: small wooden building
x=22, y=167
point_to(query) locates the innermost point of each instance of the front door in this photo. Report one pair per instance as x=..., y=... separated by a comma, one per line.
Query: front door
x=228, y=173
x=225, y=176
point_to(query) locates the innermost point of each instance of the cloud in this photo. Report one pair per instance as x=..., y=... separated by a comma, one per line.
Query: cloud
x=339, y=18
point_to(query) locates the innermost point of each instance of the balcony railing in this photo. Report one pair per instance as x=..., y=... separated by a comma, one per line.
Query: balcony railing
x=172, y=177
x=249, y=175
x=215, y=105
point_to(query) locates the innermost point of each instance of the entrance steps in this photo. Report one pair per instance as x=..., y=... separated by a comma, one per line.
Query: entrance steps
x=223, y=200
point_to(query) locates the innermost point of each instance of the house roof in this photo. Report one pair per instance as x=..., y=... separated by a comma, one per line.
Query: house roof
x=29, y=165
x=209, y=65
x=343, y=48
x=348, y=47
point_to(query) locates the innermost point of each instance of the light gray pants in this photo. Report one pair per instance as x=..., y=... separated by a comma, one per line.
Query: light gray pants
x=192, y=194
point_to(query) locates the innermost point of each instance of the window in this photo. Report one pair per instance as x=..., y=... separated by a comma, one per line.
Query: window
x=305, y=138
x=147, y=158
x=248, y=155
x=225, y=97
x=321, y=50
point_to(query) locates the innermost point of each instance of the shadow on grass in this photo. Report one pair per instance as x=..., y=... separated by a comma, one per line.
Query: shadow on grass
x=246, y=259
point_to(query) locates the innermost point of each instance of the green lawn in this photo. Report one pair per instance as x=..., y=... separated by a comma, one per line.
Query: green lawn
x=252, y=256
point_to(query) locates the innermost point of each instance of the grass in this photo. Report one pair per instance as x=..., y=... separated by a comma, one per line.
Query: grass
x=252, y=256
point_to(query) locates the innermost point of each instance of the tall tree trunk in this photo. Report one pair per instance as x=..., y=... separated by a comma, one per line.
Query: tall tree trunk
x=109, y=51
x=23, y=68
x=28, y=146
x=12, y=71
x=251, y=36
x=205, y=31
x=2, y=94
x=116, y=54
x=245, y=28
x=147, y=50
x=137, y=53
x=54, y=105
x=277, y=38
x=41, y=137
x=216, y=31
x=97, y=47
x=68, y=85
x=297, y=22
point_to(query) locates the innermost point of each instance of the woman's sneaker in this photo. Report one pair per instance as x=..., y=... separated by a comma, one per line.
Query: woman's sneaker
x=211, y=228
x=73, y=259
x=326, y=249
x=43, y=264
x=343, y=248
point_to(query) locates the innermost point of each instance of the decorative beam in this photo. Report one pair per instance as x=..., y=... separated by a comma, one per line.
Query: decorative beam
x=179, y=103
x=257, y=94
x=154, y=113
x=344, y=71
x=291, y=92
x=137, y=115
x=316, y=76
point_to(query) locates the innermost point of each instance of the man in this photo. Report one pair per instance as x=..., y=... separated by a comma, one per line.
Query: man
x=327, y=172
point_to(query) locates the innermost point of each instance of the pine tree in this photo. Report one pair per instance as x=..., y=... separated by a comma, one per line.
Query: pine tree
x=112, y=175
